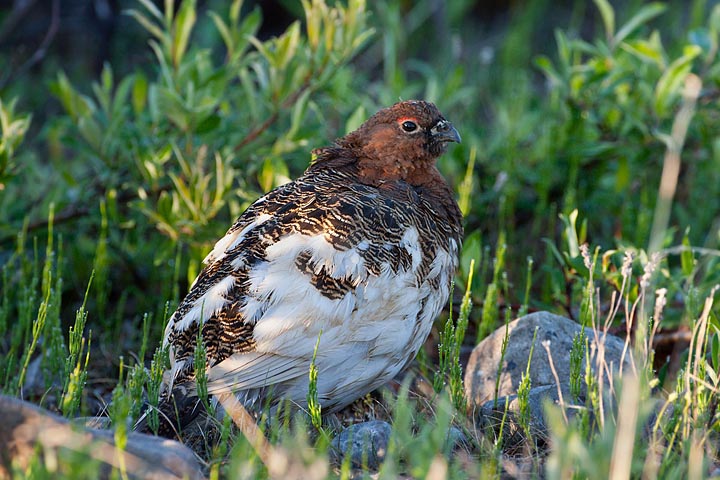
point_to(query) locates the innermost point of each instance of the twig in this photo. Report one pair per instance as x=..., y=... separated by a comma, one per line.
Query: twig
x=257, y=131
x=74, y=211
x=287, y=103
x=41, y=50
x=246, y=423
x=20, y=8
x=561, y=400
x=671, y=338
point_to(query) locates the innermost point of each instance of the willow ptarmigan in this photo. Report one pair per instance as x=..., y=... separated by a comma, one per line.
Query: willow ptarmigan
x=359, y=251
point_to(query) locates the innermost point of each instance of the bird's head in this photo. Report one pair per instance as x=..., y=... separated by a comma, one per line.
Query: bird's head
x=402, y=141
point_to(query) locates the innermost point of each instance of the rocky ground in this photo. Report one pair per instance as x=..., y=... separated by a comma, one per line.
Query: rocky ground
x=488, y=391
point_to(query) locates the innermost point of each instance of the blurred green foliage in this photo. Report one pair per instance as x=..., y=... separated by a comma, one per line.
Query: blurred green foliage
x=147, y=169
x=563, y=144
x=162, y=160
x=13, y=128
x=127, y=179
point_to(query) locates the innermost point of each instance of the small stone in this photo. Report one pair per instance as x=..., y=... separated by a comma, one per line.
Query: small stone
x=365, y=442
x=490, y=412
x=456, y=438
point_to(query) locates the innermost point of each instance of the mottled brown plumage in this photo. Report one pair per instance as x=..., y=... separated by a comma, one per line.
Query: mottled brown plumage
x=359, y=251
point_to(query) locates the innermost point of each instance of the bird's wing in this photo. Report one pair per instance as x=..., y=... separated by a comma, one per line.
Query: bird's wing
x=295, y=264
x=252, y=370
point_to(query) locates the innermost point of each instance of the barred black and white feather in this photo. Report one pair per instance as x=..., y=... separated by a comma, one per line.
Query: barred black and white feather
x=359, y=251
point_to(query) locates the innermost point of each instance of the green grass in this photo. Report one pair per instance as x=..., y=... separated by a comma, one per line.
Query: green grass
x=589, y=178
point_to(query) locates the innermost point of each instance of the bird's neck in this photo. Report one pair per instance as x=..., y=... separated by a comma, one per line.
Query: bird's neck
x=372, y=169
x=387, y=169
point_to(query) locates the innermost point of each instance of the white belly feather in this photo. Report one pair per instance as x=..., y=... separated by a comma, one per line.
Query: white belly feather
x=370, y=332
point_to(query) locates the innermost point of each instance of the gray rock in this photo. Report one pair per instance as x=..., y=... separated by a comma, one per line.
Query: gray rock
x=25, y=426
x=456, y=438
x=482, y=368
x=365, y=442
x=490, y=413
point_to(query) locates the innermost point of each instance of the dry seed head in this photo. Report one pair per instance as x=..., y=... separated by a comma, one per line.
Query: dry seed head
x=660, y=302
x=585, y=252
x=627, y=264
x=650, y=268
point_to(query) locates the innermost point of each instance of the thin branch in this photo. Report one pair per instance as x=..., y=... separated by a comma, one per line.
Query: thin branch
x=257, y=131
x=287, y=103
x=561, y=400
x=246, y=424
x=41, y=50
x=72, y=212
x=260, y=129
x=20, y=9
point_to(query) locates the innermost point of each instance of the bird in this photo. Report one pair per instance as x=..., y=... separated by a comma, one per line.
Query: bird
x=347, y=266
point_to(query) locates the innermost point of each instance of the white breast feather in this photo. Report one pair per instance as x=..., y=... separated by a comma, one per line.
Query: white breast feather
x=369, y=331
x=376, y=325
x=289, y=310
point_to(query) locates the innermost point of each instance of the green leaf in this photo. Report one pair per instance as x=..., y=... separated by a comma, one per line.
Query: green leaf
x=471, y=251
x=148, y=25
x=687, y=260
x=313, y=23
x=287, y=45
x=547, y=67
x=139, y=93
x=715, y=347
x=563, y=48
x=648, y=51
x=714, y=22
x=261, y=47
x=208, y=124
x=356, y=119
x=645, y=14
x=119, y=102
x=671, y=81
x=237, y=38
x=298, y=114
x=183, y=28
x=608, y=17
x=154, y=11
x=169, y=13
x=224, y=32
x=91, y=132
x=250, y=24
x=622, y=175
x=170, y=105
x=571, y=235
x=64, y=92
x=235, y=11
x=361, y=38
x=274, y=172
x=183, y=192
x=12, y=132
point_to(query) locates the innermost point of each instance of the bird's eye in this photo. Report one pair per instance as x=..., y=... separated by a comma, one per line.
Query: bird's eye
x=409, y=126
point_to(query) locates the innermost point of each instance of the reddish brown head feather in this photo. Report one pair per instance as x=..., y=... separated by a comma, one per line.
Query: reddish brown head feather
x=382, y=150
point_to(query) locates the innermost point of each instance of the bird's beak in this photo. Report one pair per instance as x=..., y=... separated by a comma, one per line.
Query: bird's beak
x=444, y=131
